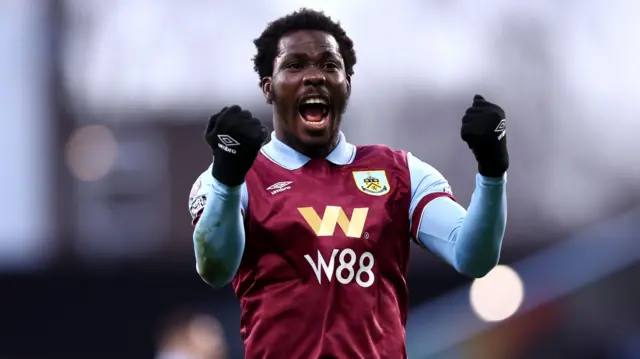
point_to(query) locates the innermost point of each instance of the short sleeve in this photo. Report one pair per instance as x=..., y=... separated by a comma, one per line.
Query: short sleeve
x=427, y=184
x=200, y=192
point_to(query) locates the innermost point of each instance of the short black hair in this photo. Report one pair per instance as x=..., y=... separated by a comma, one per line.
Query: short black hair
x=303, y=19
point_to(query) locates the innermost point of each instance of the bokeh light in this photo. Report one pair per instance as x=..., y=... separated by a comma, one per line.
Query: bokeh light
x=91, y=152
x=498, y=295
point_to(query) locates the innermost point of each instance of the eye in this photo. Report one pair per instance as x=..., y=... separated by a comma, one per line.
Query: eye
x=330, y=65
x=294, y=66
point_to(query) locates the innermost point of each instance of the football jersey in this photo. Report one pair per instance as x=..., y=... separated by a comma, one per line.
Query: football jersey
x=324, y=269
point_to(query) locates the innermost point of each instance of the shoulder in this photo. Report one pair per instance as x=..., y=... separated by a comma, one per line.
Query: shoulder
x=417, y=165
x=388, y=156
x=382, y=153
x=199, y=190
x=205, y=179
x=426, y=178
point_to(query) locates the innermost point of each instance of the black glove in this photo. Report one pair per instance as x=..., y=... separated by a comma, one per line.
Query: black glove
x=484, y=129
x=235, y=138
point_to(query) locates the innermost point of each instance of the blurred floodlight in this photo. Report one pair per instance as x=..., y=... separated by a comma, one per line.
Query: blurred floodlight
x=91, y=152
x=498, y=295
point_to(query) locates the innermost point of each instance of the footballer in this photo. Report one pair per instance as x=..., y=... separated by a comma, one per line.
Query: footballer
x=314, y=232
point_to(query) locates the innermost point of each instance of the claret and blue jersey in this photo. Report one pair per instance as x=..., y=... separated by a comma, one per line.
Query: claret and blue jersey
x=317, y=250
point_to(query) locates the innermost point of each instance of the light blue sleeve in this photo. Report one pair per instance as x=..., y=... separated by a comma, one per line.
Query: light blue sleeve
x=470, y=240
x=218, y=237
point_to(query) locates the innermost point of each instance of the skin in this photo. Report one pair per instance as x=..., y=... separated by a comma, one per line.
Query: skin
x=307, y=63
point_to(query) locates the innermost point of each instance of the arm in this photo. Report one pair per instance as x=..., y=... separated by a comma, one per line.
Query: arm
x=218, y=237
x=468, y=240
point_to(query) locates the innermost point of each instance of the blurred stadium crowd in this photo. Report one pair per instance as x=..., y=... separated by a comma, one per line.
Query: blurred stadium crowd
x=103, y=106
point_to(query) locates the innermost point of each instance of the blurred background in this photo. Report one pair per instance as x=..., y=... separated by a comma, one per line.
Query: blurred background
x=103, y=105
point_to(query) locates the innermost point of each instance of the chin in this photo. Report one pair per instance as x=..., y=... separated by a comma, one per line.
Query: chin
x=316, y=144
x=316, y=139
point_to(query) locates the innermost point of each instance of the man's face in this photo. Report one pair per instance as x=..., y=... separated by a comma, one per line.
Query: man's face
x=309, y=88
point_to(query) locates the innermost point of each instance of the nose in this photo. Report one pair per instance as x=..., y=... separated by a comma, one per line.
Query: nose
x=313, y=77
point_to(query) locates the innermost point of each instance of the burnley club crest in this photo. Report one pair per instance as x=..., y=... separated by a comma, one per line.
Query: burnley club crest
x=372, y=182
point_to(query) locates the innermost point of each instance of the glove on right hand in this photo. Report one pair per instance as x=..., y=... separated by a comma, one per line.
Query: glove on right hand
x=235, y=137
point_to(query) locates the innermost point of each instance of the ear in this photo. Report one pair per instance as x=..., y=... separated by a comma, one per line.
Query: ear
x=265, y=84
x=348, y=85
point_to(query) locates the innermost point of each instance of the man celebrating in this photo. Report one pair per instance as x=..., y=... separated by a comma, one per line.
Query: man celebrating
x=312, y=231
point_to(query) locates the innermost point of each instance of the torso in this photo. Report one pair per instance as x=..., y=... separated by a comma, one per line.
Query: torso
x=313, y=293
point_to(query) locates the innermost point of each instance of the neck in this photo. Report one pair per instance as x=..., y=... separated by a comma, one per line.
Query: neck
x=320, y=150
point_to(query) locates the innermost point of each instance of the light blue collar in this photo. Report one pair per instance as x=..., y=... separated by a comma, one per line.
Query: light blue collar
x=287, y=157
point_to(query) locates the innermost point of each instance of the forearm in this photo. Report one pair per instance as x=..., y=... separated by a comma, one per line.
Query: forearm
x=219, y=236
x=469, y=240
x=479, y=239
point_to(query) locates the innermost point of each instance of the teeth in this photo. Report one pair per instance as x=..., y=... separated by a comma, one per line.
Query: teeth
x=315, y=100
x=319, y=124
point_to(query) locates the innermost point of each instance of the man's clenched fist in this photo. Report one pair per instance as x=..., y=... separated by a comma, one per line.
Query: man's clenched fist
x=484, y=129
x=235, y=137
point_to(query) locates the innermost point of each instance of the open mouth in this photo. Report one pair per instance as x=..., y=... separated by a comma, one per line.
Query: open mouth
x=315, y=112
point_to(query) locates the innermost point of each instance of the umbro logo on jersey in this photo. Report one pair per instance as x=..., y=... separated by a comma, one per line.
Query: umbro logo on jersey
x=502, y=128
x=279, y=187
x=226, y=142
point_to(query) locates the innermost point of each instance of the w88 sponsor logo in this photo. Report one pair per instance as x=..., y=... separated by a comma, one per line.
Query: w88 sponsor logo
x=347, y=270
x=350, y=266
